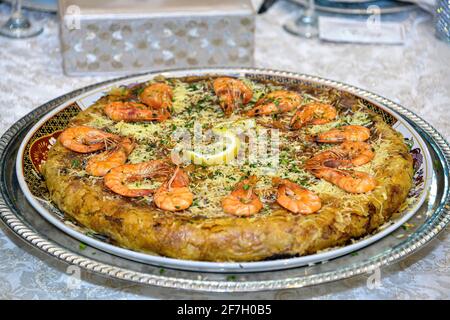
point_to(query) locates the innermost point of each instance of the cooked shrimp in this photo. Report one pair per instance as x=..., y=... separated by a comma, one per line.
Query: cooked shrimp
x=118, y=178
x=174, y=195
x=313, y=113
x=348, y=154
x=344, y=133
x=348, y=180
x=157, y=96
x=100, y=164
x=276, y=102
x=355, y=153
x=231, y=93
x=295, y=198
x=85, y=139
x=134, y=112
x=242, y=201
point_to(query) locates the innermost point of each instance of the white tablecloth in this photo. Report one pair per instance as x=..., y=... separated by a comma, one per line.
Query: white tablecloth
x=417, y=75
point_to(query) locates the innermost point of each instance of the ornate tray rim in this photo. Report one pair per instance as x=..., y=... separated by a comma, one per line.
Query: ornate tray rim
x=423, y=236
x=207, y=266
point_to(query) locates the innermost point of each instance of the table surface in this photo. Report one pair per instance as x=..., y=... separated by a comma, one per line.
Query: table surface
x=416, y=75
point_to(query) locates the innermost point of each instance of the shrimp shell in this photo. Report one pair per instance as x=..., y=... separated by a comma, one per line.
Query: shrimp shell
x=117, y=179
x=242, y=201
x=295, y=198
x=231, y=92
x=84, y=139
x=352, y=133
x=279, y=101
x=313, y=113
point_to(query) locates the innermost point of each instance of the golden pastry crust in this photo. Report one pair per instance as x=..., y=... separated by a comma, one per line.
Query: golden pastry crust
x=138, y=226
x=228, y=239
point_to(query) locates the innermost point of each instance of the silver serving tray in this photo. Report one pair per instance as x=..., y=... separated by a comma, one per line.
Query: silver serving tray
x=36, y=143
x=23, y=220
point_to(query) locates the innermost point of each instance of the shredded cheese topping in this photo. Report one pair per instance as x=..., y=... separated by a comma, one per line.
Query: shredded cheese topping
x=196, y=103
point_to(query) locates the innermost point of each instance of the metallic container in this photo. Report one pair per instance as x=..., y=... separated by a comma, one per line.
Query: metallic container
x=120, y=37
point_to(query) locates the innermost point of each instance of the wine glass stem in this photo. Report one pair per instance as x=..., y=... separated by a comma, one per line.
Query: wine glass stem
x=17, y=9
x=311, y=8
x=18, y=25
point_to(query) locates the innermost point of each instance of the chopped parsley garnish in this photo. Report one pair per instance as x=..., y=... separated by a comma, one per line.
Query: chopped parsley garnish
x=75, y=163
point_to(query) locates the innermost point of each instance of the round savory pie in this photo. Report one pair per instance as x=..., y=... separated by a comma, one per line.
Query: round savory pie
x=229, y=169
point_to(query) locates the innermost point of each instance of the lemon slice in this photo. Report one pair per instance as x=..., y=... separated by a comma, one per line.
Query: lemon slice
x=221, y=152
x=236, y=126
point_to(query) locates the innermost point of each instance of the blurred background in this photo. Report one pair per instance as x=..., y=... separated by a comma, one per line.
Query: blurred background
x=399, y=49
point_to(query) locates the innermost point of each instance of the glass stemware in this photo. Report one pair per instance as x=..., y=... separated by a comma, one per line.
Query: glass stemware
x=306, y=24
x=18, y=26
